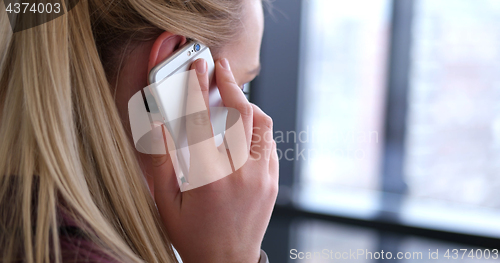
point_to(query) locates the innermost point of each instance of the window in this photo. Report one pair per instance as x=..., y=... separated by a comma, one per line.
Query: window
x=452, y=164
x=344, y=68
x=450, y=141
x=390, y=113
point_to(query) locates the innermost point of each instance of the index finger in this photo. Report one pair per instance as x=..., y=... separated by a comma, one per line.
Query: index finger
x=198, y=125
x=233, y=97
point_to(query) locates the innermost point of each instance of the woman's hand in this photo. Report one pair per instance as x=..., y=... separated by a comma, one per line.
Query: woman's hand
x=223, y=221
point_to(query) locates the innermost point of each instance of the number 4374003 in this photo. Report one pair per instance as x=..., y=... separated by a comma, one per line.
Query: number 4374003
x=35, y=8
x=472, y=253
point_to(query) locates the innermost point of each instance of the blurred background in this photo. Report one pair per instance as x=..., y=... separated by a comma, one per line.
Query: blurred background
x=387, y=120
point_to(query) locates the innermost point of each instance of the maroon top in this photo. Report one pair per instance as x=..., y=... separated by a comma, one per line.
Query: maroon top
x=76, y=247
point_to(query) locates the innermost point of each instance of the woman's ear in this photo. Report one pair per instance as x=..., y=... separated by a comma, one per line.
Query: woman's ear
x=164, y=46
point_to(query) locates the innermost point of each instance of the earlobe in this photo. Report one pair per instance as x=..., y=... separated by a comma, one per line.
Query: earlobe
x=163, y=47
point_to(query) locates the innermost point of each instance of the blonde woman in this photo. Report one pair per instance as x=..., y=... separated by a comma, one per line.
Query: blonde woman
x=72, y=187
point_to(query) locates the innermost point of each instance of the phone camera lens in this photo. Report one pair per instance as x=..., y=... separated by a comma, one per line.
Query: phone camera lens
x=197, y=47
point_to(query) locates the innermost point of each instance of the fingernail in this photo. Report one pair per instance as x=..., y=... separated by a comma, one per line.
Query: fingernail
x=157, y=133
x=225, y=64
x=201, y=66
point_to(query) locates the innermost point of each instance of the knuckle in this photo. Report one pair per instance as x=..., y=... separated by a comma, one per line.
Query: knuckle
x=227, y=79
x=261, y=184
x=268, y=188
x=199, y=118
x=267, y=121
x=274, y=189
x=273, y=148
x=245, y=109
x=204, y=85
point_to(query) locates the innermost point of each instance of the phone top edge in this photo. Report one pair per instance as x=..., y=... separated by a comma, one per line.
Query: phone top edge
x=182, y=50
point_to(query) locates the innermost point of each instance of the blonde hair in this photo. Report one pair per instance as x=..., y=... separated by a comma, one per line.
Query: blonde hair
x=63, y=147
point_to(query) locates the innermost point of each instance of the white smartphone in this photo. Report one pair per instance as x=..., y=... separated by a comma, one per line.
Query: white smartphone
x=170, y=97
x=180, y=61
